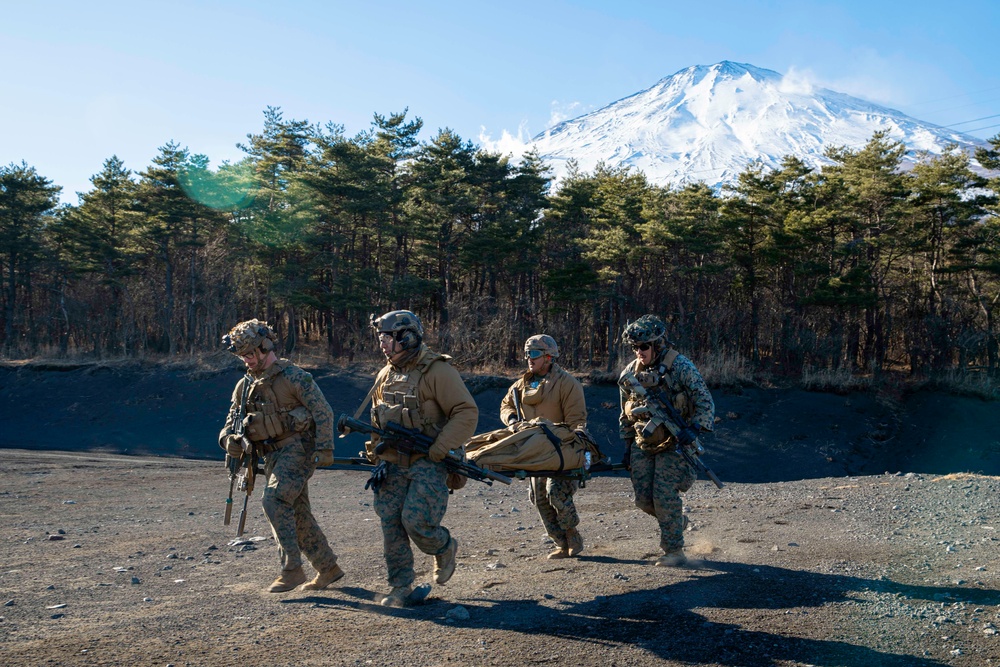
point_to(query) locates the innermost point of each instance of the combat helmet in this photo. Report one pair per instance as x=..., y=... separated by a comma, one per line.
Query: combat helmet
x=543, y=342
x=247, y=336
x=646, y=329
x=404, y=326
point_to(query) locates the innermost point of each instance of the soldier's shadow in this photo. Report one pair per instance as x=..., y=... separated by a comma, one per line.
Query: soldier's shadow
x=662, y=621
x=363, y=600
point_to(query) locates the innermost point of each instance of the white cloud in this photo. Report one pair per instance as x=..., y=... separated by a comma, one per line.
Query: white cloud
x=798, y=81
x=560, y=111
x=514, y=145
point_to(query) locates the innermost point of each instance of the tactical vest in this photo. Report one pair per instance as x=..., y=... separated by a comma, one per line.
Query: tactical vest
x=275, y=413
x=400, y=401
x=661, y=378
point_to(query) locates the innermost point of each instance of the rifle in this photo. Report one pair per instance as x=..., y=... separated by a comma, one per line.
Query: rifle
x=663, y=412
x=517, y=406
x=242, y=470
x=409, y=441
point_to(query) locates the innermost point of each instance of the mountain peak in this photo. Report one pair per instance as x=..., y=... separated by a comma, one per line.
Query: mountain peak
x=708, y=122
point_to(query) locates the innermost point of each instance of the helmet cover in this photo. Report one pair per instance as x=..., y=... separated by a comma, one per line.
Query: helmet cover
x=543, y=342
x=646, y=329
x=247, y=336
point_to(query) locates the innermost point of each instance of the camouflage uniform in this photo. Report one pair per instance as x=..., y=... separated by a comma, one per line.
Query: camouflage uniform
x=290, y=421
x=426, y=392
x=558, y=396
x=659, y=473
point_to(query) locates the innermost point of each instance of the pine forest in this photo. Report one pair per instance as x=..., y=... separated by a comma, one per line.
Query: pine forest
x=860, y=266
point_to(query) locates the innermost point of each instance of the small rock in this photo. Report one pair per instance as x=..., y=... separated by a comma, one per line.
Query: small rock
x=136, y=580
x=61, y=605
x=147, y=599
x=9, y=603
x=61, y=531
x=495, y=566
x=69, y=502
x=549, y=596
x=53, y=538
x=57, y=615
x=458, y=613
x=77, y=546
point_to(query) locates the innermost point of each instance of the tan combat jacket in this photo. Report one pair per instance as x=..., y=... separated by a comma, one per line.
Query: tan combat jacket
x=559, y=399
x=439, y=404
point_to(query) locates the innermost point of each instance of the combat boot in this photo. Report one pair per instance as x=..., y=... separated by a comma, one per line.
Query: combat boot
x=288, y=580
x=574, y=542
x=324, y=579
x=397, y=597
x=675, y=558
x=558, y=553
x=444, y=563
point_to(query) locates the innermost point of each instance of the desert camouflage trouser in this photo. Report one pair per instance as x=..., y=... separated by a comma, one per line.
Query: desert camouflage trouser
x=411, y=503
x=658, y=481
x=286, y=504
x=554, y=499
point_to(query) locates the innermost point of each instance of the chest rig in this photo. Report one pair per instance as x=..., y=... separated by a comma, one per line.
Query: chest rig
x=400, y=399
x=273, y=412
x=658, y=378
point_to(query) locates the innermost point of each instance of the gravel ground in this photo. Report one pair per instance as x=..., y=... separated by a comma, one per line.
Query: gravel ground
x=113, y=560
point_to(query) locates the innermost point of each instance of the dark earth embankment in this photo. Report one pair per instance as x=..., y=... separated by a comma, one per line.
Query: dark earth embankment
x=762, y=434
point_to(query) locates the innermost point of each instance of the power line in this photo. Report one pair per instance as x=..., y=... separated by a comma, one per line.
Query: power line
x=977, y=129
x=952, y=97
x=996, y=115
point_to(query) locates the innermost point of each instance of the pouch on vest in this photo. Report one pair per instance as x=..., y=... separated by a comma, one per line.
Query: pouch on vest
x=454, y=481
x=299, y=419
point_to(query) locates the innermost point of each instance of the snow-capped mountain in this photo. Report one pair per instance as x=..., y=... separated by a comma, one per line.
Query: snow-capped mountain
x=708, y=123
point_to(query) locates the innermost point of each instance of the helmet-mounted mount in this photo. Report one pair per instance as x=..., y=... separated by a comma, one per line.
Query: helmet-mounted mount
x=248, y=336
x=646, y=329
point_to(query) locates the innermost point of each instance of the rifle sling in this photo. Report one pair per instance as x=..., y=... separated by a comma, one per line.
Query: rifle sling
x=556, y=442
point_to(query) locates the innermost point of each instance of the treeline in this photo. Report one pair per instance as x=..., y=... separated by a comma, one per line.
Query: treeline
x=859, y=266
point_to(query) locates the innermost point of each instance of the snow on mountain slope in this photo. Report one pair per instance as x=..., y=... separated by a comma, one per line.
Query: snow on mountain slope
x=707, y=123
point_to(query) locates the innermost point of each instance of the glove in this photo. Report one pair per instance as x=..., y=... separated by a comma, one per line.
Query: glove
x=323, y=458
x=437, y=452
x=233, y=445
x=627, y=456
x=686, y=437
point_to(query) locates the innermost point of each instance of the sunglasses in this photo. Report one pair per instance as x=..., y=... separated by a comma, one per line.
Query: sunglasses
x=533, y=354
x=642, y=347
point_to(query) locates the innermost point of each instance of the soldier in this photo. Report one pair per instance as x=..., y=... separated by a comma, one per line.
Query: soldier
x=290, y=424
x=548, y=391
x=659, y=473
x=418, y=389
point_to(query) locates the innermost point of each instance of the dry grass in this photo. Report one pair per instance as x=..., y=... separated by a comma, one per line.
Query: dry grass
x=838, y=381
x=974, y=383
x=724, y=369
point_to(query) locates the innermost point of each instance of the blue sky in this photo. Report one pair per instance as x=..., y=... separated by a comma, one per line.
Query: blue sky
x=83, y=81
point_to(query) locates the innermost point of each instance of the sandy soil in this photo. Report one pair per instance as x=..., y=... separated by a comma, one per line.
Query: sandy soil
x=813, y=554
x=113, y=560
